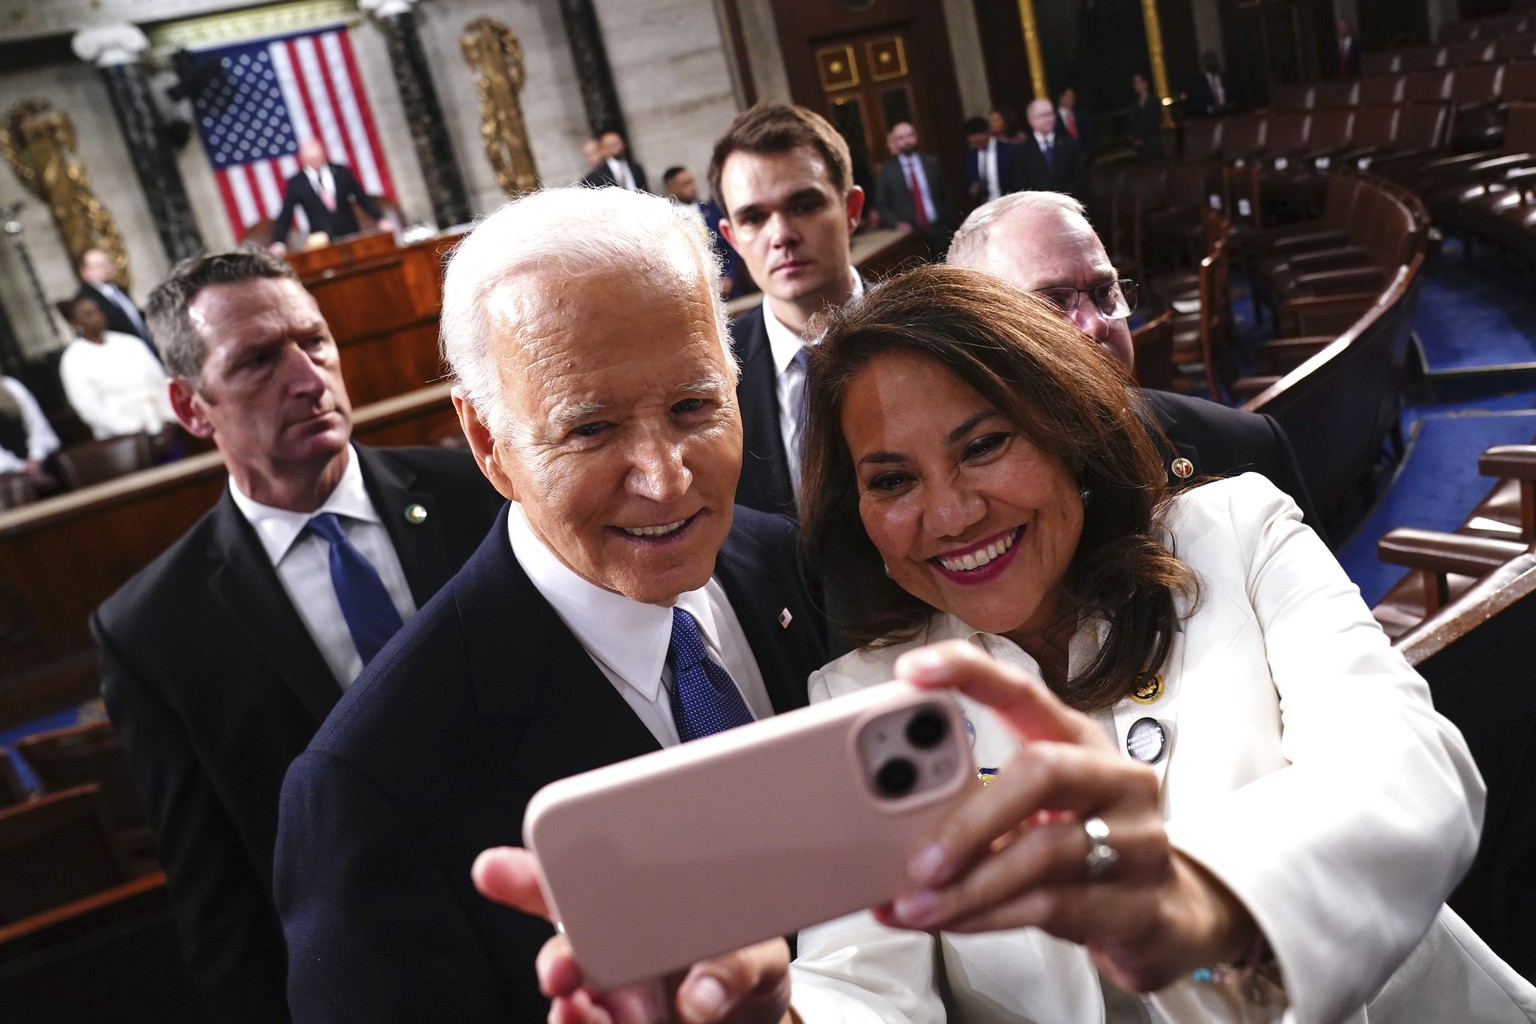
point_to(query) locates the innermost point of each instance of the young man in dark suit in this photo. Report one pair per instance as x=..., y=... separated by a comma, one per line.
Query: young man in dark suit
x=222, y=657
x=785, y=179
x=992, y=166
x=325, y=192
x=910, y=193
x=1052, y=160
x=1042, y=242
x=597, y=390
x=616, y=168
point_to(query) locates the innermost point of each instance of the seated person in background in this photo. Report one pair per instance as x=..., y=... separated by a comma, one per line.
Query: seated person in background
x=1042, y=242
x=1217, y=792
x=325, y=192
x=26, y=436
x=596, y=387
x=679, y=184
x=221, y=658
x=115, y=386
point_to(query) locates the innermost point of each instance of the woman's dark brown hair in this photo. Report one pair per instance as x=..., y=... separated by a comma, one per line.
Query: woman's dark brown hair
x=1039, y=371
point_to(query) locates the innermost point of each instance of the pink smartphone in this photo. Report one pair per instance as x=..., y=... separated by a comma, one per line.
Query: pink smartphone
x=696, y=850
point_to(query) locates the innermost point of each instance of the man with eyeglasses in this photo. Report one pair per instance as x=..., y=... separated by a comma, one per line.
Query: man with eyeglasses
x=1042, y=242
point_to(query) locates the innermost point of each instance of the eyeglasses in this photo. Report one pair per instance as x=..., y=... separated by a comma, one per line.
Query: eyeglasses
x=1114, y=300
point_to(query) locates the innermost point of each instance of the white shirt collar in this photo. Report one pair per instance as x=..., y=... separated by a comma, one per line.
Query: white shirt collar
x=627, y=637
x=278, y=528
x=784, y=342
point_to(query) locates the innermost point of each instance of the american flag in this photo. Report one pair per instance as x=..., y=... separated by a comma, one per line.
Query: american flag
x=273, y=94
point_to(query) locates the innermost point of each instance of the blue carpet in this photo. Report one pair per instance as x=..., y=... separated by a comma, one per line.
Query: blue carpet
x=1474, y=316
x=1436, y=485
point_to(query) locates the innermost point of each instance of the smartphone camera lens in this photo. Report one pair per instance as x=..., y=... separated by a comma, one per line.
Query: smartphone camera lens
x=896, y=777
x=926, y=729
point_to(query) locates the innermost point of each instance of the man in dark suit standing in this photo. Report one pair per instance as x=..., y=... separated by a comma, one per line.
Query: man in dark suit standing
x=1042, y=242
x=992, y=167
x=1052, y=160
x=223, y=656
x=785, y=178
x=616, y=168
x=98, y=282
x=910, y=193
x=564, y=643
x=1342, y=59
x=325, y=192
x=1212, y=91
x=1069, y=121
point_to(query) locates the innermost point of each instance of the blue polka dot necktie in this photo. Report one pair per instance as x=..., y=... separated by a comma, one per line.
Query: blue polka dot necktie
x=365, y=602
x=704, y=700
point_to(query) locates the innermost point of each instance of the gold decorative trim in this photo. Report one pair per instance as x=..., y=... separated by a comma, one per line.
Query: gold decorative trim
x=495, y=58
x=258, y=23
x=887, y=58
x=840, y=61
x=1032, y=49
x=1154, y=28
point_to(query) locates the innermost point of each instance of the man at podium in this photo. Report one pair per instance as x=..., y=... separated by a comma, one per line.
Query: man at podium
x=325, y=192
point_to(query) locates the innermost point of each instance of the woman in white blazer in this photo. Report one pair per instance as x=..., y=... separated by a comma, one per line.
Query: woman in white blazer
x=1254, y=814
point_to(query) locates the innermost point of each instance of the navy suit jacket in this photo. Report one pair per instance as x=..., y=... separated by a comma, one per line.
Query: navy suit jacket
x=1067, y=172
x=338, y=223
x=1010, y=172
x=215, y=685
x=432, y=756
x=1220, y=441
x=765, y=482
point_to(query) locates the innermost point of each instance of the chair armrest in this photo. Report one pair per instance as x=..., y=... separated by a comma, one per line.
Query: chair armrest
x=1437, y=552
x=1283, y=355
x=1245, y=388
x=1509, y=460
x=1343, y=281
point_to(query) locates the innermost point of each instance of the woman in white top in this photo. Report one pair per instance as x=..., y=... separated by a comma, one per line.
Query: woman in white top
x=1216, y=793
x=111, y=380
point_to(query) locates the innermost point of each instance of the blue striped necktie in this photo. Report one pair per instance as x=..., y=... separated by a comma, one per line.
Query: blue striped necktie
x=704, y=699
x=365, y=602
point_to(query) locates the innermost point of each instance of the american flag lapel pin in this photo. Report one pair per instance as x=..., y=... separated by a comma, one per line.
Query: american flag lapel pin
x=785, y=618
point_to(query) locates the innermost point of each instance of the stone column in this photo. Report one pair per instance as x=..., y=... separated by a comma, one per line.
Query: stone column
x=115, y=50
x=598, y=95
x=423, y=112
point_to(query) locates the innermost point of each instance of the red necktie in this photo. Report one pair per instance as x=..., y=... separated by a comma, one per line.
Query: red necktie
x=918, y=201
x=1071, y=123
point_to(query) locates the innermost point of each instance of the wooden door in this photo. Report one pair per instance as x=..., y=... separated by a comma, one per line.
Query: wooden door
x=868, y=87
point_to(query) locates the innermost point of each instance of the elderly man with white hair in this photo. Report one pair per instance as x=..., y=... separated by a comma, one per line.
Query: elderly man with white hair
x=1042, y=242
x=597, y=390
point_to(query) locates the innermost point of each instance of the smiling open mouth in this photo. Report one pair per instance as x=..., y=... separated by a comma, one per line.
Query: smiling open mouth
x=656, y=531
x=973, y=560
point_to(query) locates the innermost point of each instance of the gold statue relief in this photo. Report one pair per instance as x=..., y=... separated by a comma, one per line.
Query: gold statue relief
x=495, y=57
x=39, y=142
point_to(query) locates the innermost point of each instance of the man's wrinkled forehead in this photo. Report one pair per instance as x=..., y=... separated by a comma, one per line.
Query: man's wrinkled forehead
x=1045, y=249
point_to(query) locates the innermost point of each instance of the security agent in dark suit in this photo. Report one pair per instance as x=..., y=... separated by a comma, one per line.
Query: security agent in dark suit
x=615, y=168
x=784, y=176
x=992, y=167
x=1042, y=242
x=1212, y=91
x=905, y=178
x=223, y=656
x=1052, y=160
x=325, y=192
x=555, y=649
x=98, y=282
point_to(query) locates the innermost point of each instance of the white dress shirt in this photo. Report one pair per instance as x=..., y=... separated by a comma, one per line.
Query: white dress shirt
x=321, y=179
x=621, y=173
x=41, y=440
x=784, y=343
x=628, y=639
x=989, y=169
x=116, y=386
x=302, y=560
